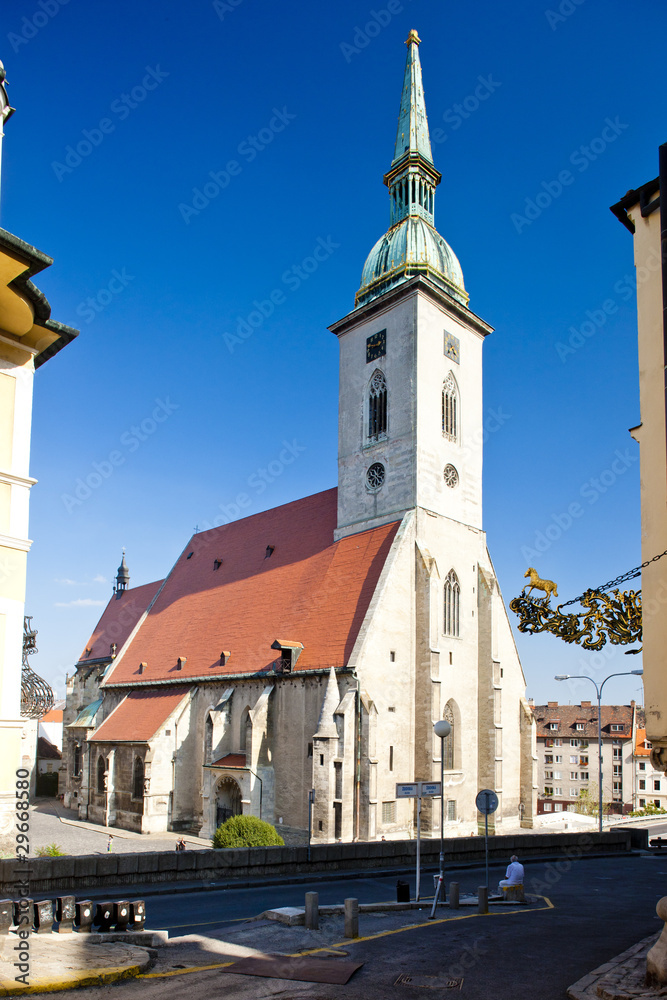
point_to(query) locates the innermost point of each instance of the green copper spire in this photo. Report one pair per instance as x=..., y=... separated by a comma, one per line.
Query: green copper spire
x=412, y=245
x=412, y=135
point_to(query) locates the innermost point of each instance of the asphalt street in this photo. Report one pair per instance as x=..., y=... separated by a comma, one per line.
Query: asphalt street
x=594, y=909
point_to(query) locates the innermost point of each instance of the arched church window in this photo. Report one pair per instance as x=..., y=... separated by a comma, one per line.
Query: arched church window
x=77, y=760
x=450, y=408
x=452, y=604
x=138, y=779
x=208, y=740
x=101, y=772
x=377, y=405
x=448, y=742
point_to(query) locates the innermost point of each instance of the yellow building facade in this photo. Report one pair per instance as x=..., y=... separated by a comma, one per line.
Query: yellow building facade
x=641, y=213
x=28, y=338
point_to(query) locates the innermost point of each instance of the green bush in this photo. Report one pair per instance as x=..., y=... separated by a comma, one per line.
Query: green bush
x=50, y=851
x=649, y=810
x=246, y=831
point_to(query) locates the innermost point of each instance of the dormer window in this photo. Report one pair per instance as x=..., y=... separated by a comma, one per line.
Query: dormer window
x=289, y=654
x=270, y=549
x=217, y=563
x=580, y=726
x=224, y=656
x=553, y=725
x=180, y=663
x=617, y=729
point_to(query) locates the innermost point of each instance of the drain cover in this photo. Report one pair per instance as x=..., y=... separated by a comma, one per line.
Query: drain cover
x=429, y=982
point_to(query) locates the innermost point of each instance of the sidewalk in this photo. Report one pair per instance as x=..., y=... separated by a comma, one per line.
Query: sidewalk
x=51, y=823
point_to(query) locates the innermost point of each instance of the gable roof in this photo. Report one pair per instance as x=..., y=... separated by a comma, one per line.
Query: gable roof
x=567, y=717
x=117, y=621
x=47, y=750
x=139, y=716
x=641, y=750
x=239, y=586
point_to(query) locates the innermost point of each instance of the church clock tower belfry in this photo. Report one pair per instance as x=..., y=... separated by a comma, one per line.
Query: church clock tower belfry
x=410, y=398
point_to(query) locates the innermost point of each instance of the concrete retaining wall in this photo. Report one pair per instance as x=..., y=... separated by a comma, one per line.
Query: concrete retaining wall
x=75, y=874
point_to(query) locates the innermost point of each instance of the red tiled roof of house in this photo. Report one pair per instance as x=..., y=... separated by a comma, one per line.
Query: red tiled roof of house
x=140, y=715
x=55, y=715
x=641, y=750
x=568, y=716
x=46, y=750
x=278, y=574
x=119, y=618
x=231, y=760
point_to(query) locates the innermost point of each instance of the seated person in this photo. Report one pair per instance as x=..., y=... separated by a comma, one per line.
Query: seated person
x=513, y=875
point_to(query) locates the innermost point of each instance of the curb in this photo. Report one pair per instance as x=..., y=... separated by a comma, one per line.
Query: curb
x=92, y=977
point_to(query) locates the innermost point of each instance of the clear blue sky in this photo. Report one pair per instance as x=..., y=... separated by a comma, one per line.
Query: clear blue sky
x=322, y=99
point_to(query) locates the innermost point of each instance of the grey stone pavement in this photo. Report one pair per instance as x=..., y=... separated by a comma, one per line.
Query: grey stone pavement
x=51, y=823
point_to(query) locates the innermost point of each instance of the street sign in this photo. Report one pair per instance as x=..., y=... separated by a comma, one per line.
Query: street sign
x=407, y=790
x=486, y=801
x=417, y=789
x=430, y=788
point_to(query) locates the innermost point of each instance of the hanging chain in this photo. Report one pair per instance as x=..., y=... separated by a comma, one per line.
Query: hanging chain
x=630, y=575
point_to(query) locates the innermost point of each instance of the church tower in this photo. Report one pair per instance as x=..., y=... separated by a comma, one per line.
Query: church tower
x=410, y=398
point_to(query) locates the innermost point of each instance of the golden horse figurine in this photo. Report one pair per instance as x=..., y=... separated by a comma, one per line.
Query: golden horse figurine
x=548, y=586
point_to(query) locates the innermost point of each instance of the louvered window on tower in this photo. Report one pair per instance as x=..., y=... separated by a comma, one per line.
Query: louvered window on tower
x=450, y=408
x=452, y=604
x=377, y=406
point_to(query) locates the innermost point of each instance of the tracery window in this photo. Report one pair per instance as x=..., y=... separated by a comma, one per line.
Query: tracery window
x=448, y=742
x=77, y=760
x=101, y=773
x=377, y=405
x=451, y=625
x=450, y=408
x=138, y=779
x=208, y=740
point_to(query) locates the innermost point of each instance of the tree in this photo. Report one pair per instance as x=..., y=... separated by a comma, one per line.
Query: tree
x=246, y=831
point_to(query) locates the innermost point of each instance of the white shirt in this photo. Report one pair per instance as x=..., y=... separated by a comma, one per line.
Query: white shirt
x=514, y=873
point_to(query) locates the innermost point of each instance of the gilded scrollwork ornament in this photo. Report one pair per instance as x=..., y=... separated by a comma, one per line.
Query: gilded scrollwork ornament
x=614, y=616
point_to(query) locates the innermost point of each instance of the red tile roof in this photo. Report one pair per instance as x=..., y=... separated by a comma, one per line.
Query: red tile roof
x=55, y=715
x=568, y=716
x=641, y=750
x=231, y=760
x=312, y=589
x=140, y=715
x=119, y=618
x=46, y=750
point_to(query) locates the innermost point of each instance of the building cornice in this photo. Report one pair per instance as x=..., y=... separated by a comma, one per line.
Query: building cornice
x=7, y=477
x=20, y=544
x=411, y=287
x=205, y=679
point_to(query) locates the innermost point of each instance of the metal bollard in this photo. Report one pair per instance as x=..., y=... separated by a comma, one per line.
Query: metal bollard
x=453, y=895
x=24, y=913
x=83, y=916
x=6, y=915
x=138, y=914
x=43, y=916
x=121, y=915
x=312, y=911
x=351, y=918
x=103, y=916
x=65, y=913
x=482, y=899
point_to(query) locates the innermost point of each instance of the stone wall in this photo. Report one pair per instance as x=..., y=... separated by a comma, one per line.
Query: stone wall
x=81, y=874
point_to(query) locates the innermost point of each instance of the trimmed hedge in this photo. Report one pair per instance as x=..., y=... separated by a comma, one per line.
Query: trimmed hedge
x=246, y=831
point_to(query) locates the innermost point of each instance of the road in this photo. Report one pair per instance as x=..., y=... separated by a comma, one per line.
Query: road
x=596, y=909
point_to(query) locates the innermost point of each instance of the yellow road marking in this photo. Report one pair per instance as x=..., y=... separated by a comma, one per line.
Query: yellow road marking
x=349, y=941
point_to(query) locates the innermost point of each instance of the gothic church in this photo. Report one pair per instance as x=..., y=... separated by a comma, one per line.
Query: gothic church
x=313, y=646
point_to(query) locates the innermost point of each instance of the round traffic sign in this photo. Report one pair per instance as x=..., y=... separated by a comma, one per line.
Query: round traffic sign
x=486, y=801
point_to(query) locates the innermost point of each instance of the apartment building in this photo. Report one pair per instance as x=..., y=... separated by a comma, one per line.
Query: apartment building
x=567, y=755
x=650, y=786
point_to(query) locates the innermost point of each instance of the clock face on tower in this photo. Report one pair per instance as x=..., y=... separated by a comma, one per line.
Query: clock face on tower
x=452, y=347
x=376, y=346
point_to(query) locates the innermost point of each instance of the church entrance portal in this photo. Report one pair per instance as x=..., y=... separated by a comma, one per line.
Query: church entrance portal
x=227, y=800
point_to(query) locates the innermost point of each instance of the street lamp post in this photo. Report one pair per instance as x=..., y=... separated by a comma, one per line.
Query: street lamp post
x=598, y=689
x=442, y=729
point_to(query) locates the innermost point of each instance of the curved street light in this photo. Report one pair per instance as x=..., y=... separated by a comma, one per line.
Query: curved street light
x=598, y=688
